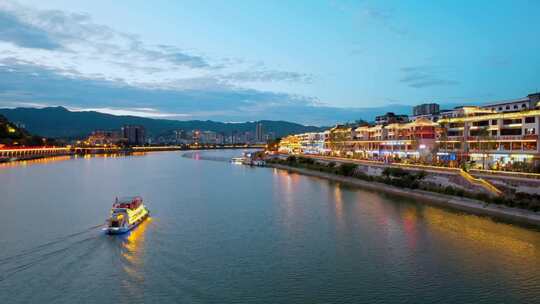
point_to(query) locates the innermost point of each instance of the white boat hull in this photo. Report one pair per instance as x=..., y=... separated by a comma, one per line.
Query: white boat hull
x=121, y=230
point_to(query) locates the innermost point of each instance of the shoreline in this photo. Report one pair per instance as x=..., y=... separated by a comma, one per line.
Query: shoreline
x=514, y=215
x=123, y=152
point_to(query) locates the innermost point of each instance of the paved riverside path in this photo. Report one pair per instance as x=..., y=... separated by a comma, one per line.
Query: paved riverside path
x=474, y=182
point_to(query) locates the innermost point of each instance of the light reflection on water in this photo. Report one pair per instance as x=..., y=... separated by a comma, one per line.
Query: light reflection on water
x=500, y=237
x=338, y=201
x=221, y=233
x=62, y=158
x=47, y=160
x=132, y=248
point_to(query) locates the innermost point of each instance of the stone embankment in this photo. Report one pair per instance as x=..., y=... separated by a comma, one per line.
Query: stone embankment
x=441, y=176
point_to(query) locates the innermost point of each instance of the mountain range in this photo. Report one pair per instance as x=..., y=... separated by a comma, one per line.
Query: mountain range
x=59, y=122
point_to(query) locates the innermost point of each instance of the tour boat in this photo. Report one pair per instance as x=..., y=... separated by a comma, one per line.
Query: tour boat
x=238, y=160
x=126, y=213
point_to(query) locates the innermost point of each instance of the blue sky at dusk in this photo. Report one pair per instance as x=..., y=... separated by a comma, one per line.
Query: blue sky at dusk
x=315, y=62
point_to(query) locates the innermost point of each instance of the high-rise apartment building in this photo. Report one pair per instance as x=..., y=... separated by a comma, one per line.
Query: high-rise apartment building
x=259, y=133
x=134, y=135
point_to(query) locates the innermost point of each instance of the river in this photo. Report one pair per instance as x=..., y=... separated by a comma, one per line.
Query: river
x=225, y=233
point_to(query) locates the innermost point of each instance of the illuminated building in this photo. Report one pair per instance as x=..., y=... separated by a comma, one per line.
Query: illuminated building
x=290, y=144
x=209, y=137
x=465, y=111
x=100, y=137
x=492, y=138
x=494, y=134
x=259, y=133
x=180, y=136
x=411, y=139
x=134, y=135
x=426, y=109
x=269, y=136
x=314, y=142
x=340, y=140
x=429, y=111
x=522, y=104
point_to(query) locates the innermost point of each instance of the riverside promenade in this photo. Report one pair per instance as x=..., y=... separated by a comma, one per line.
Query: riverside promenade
x=493, y=182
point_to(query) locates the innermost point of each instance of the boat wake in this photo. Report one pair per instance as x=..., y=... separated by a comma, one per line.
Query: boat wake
x=30, y=257
x=210, y=155
x=202, y=156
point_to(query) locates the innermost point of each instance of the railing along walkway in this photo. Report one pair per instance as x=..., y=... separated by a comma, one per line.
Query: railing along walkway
x=481, y=182
x=436, y=169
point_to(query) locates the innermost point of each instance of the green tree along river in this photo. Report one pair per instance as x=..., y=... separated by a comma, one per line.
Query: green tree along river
x=224, y=233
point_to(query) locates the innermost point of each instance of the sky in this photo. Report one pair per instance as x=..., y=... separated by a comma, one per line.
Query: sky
x=313, y=62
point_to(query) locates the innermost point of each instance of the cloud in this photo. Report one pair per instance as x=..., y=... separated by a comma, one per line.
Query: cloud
x=268, y=76
x=424, y=76
x=25, y=35
x=171, y=54
x=52, y=57
x=141, y=112
x=433, y=82
x=72, y=44
x=376, y=13
x=29, y=83
x=26, y=84
x=385, y=18
x=77, y=33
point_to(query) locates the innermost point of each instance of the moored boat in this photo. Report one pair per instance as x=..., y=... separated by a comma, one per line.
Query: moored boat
x=238, y=160
x=126, y=214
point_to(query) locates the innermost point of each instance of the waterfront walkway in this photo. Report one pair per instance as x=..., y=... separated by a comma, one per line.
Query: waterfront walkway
x=474, y=181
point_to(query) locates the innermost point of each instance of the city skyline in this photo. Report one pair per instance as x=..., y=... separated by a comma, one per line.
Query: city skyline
x=321, y=63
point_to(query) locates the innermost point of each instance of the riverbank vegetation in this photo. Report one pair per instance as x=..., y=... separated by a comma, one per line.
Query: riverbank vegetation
x=13, y=135
x=401, y=178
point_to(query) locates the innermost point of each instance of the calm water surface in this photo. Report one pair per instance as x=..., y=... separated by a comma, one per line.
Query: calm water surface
x=223, y=233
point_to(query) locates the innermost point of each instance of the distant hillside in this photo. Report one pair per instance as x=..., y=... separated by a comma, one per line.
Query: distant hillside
x=10, y=135
x=59, y=122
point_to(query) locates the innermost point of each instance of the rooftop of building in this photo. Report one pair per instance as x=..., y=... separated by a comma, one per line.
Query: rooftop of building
x=416, y=123
x=508, y=101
